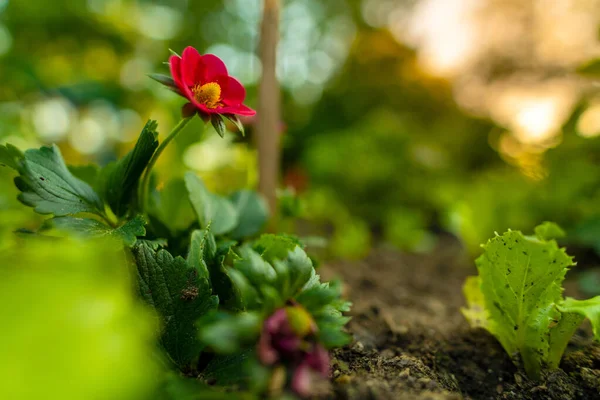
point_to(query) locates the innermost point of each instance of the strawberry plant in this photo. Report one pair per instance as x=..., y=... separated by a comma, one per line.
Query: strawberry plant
x=235, y=307
x=517, y=297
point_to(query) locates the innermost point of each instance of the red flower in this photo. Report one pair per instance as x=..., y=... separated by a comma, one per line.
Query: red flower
x=204, y=81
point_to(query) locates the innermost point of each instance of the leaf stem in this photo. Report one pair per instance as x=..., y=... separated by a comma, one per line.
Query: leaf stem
x=143, y=189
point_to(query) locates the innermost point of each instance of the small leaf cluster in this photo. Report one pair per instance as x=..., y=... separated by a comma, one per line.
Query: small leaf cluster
x=199, y=258
x=517, y=297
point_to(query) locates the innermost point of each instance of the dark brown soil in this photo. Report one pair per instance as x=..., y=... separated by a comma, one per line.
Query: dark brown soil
x=412, y=342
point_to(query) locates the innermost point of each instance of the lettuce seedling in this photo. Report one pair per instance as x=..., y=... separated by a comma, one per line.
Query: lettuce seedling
x=518, y=297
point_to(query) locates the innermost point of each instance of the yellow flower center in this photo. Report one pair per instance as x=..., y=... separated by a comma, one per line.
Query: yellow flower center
x=208, y=94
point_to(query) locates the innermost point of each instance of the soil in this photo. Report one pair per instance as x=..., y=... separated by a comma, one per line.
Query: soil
x=412, y=342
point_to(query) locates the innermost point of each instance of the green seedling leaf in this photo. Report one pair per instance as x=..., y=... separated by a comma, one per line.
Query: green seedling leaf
x=121, y=179
x=47, y=185
x=521, y=281
x=254, y=268
x=253, y=213
x=589, y=309
x=268, y=285
x=10, y=156
x=561, y=331
x=217, y=122
x=275, y=247
x=179, y=295
x=91, y=228
x=475, y=311
x=209, y=207
x=548, y=231
x=199, y=249
x=324, y=302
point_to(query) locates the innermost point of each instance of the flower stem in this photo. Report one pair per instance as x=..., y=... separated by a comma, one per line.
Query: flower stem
x=143, y=189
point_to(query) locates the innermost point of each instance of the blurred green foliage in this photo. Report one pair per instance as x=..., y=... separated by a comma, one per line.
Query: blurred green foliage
x=72, y=328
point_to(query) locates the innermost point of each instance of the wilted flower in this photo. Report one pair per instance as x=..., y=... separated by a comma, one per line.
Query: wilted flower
x=288, y=338
x=205, y=82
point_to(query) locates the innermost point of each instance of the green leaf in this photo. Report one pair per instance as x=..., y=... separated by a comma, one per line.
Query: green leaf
x=179, y=295
x=47, y=185
x=88, y=173
x=176, y=387
x=324, y=303
x=275, y=247
x=589, y=309
x=253, y=213
x=170, y=209
x=227, y=333
x=67, y=304
x=235, y=369
x=521, y=283
x=217, y=122
x=198, y=252
x=10, y=156
x=209, y=207
x=560, y=334
x=236, y=121
x=475, y=311
x=300, y=269
x=254, y=268
x=121, y=179
x=163, y=79
x=91, y=228
x=549, y=230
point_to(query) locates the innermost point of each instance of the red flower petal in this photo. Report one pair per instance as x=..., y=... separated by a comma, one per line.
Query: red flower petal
x=237, y=110
x=192, y=70
x=233, y=92
x=214, y=67
x=175, y=67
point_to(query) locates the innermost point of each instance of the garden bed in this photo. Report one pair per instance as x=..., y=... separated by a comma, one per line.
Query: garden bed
x=412, y=342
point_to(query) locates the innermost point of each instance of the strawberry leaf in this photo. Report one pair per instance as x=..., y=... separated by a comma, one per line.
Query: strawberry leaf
x=179, y=295
x=253, y=213
x=92, y=228
x=200, y=246
x=121, y=178
x=10, y=156
x=210, y=208
x=272, y=247
x=47, y=185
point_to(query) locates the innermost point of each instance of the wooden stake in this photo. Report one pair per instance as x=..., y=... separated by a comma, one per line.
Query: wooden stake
x=269, y=114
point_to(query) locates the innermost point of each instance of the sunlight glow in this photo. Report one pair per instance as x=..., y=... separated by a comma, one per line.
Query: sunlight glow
x=445, y=33
x=52, y=119
x=536, y=120
x=589, y=123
